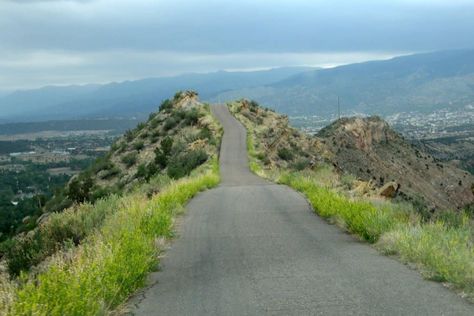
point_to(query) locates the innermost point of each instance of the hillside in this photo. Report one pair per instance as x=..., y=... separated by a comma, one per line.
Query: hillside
x=420, y=82
x=365, y=148
x=174, y=141
x=181, y=136
x=371, y=150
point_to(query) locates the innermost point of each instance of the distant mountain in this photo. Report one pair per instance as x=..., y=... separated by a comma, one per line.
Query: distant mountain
x=422, y=82
x=136, y=98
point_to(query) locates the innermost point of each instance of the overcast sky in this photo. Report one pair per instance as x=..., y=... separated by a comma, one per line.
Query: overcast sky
x=46, y=42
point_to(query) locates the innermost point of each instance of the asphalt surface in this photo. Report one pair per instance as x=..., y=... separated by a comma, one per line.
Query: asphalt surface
x=249, y=247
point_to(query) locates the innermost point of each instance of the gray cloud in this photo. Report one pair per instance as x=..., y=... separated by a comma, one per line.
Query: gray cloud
x=82, y=32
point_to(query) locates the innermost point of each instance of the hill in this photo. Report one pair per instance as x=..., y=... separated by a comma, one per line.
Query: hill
x=173, y=142
x=420, y=82
x=368, y=149
x=128, y=98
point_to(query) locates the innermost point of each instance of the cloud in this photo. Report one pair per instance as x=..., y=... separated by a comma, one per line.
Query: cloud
x=70, y=36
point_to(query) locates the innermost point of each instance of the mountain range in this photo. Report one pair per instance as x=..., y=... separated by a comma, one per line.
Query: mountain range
x=129, y=98
x=420, y=82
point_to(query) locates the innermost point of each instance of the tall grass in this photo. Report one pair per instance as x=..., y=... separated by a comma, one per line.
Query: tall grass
x=443, y=253
x=112, y=262
x=359, y=217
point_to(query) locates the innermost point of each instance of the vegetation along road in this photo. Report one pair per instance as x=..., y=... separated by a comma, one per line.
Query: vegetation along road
x=250, y=247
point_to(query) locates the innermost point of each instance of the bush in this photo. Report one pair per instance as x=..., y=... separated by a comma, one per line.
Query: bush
x=300, y=164
x=141, y=171
x=101, y=163
x=70, y=226
x=129, y=135
x=152, y=116
x=110, y=172
x=166, y=145
x=285, y=154
x=138, y=145
x=183, y=164
x=170, y=123
x=205, y=133
x=191, y=117
x=163, y=152
x=165, y=105
x=140, y=126
x=130, y=159
x=161, y=159
x=79, y=189
x=253, y=106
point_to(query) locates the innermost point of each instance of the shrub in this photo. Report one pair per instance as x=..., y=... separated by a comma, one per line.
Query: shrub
x=161, y=159
x=151, y=170
x=101, y=163
x=183, y=164
x=170, y=123
x=129, y=135
x=152, y=116
x=112, y=171
x=70, y=226
x=253, y=106
x=79, y=189
x=142, y=171
x=191, y=117
x=140, y=126
x=130, y=159
x=300, y=164
x=165, y=105
x=285, y=154
x=205, y=133
x=138, y=145
x=177, y=95
x=166, y=145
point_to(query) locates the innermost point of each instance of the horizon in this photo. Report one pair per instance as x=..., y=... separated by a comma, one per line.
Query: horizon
x=4, y=92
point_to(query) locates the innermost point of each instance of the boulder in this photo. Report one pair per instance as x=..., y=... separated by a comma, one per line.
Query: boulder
x=389, y=190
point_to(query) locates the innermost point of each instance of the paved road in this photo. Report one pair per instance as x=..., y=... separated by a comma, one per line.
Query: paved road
x=250, y=247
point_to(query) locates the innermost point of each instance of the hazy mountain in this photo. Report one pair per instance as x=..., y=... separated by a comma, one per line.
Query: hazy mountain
x=127, y=98
x=422, y=82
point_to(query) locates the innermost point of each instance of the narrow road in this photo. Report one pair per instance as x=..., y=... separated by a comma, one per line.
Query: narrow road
x=250, y=247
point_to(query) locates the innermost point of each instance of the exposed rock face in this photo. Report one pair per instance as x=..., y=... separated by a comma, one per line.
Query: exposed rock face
x=371, y=150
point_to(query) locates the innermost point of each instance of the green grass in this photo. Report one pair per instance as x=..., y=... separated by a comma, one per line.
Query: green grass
x=443, y=253
x=443, y=249
x=97, y=276
x=359, y=217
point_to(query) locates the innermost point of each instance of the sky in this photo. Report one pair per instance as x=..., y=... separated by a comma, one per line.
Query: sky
x=45, y=42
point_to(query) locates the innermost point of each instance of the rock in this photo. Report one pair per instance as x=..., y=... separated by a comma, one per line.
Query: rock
x=389, y=190
x=26, y=219
x=42, y=218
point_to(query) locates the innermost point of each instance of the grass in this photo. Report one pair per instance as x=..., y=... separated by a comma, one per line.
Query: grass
x=113, y=261
x=359, y=217
x=443, y=249
x=443, y=253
